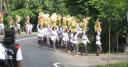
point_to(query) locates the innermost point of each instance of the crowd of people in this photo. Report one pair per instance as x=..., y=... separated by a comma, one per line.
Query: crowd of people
x=15, y=23
x=66, y=32
x=65, y=37
x=54, y=30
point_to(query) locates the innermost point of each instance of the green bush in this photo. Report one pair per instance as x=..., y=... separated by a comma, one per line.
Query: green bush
x=22, y=13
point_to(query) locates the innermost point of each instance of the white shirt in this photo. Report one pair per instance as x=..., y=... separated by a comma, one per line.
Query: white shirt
x=75, y=39
x=3, y=53
x=1, y=27
x=40, y=32
x=48, y=31
x=54, y=35
x=18, y=26
x=98, y=40
x=44, y=31
x=79, y=30
x=85, y=39
x=60, y=33
x=65, y=36
x=71, y=38
x=29, y=26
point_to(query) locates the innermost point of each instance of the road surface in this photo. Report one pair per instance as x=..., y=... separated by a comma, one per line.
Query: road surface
x=35, y=56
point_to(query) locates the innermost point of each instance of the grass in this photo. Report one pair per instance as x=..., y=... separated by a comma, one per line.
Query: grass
x=124, y=64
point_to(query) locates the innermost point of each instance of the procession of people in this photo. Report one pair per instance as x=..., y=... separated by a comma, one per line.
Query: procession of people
x=66, y=32
x=57, y=31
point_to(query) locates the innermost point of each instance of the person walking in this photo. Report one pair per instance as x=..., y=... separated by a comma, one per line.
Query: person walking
x=98, y=42
x=85, y=41
x=1, y=24
x=65, y=39
x=53, y=38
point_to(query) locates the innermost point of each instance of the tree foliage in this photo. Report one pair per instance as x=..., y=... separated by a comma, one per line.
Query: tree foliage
x=110, y=12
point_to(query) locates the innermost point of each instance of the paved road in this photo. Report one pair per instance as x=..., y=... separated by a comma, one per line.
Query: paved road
x=34, y=56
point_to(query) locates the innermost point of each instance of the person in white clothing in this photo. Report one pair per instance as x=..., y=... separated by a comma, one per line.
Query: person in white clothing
x=98, y=44
x=28, y=28
x=31, y=27
x=75, y=43
x=70, y=43
x=65, y=39
x=79, y=30
x=60, y=35
x=48, y=31
x=1, y=28
x=18, y=27
x=10, y=52
x=53, y=38
x=98, y=30
x=85, y=41
x=40, y=35
x=1, y=24
x=17, y=24
x=44, y=35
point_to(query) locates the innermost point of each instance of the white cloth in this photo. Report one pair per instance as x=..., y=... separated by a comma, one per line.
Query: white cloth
x=71, y=38
x=60, y=33
x=48, y=31
x=54, y=35
x=18, y=26
x=79, y=30
x=98, y=40
x=85, y=39
x=65, y=37
x=1, y=27
x=3, y=53
x=40, y=32
x=98, y=33
x=75, y=40
x=19, y=55
x=44, y=31
x=29, y=28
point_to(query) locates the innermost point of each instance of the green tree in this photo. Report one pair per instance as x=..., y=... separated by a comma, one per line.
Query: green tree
x=111, y=12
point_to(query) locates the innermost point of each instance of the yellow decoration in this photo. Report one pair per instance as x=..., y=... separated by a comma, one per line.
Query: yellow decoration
x=85, y=23
x=54, y=17
x=41, y=14
x=18, y=18
x=54, y=25
x=59, y=18
x=98, y=26
x=10, y=19
x=41, y=19
x=27, y=19
x=1, y=17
